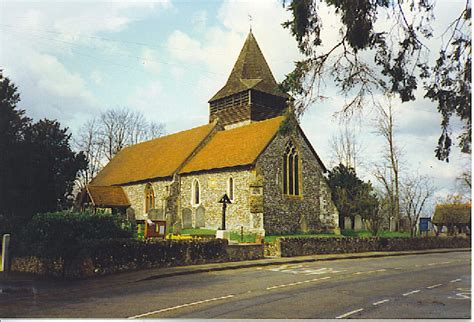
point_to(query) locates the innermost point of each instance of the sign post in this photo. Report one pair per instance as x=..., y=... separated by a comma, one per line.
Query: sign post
x=424, y=225
x=6, y=253
x=224, y=201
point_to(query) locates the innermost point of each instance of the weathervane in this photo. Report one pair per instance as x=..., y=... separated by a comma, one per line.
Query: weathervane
x=250, y=22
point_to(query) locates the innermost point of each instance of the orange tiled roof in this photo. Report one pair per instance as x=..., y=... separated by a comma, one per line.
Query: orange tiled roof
x=235, y=147
x=111, y=196
x=156, y=158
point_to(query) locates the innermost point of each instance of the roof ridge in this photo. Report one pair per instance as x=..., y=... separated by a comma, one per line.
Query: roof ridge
x=168, y=135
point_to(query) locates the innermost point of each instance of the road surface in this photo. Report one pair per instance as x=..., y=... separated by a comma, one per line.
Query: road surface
x=421, y=286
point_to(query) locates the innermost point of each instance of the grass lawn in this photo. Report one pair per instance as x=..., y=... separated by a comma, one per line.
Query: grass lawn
x=364, y=233
x=198, y=231
x=251, y=238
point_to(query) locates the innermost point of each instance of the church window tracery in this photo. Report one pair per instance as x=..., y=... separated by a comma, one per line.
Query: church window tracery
x=149, y=197
x=230, y=188
x=196, y=192
x=291, y=170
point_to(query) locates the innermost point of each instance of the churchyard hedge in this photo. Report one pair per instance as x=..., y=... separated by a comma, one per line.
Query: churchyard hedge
x=57, y=234
x=57, y=237
x=289, y=246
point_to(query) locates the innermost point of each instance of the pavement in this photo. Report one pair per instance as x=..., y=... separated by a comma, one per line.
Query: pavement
x=16, y=282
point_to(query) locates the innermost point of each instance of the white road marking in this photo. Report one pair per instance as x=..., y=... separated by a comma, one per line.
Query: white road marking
x=181, y=306
x=369, y=272
x=454, y=281
x=380, y=302
x=297, y=283
x=398, y=268
x=348, y=313
x=431, y=264
x=412, y=292
x=433, y=286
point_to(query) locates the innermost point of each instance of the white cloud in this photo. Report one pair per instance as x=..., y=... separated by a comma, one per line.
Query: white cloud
x=199, y=19
x=97, y=77
x=150, y=61
x=147, y=98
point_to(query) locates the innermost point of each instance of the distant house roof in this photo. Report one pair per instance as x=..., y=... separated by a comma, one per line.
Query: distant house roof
x=235, y=147
x=250, y=71
x=452, y=214
x=111, y=196
x=156, y=158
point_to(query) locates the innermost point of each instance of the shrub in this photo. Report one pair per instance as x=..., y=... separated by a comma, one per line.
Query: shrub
x=58, y=235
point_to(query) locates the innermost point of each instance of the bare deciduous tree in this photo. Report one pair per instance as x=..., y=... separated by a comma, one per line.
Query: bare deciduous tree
x=88, y=142
x=346, y=147
x=416, y=192
x=385, y=126
x=103, y=137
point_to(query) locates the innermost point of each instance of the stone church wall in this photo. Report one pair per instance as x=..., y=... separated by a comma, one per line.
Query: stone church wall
x=290, y=214
x=213, y=186
x=136, y=195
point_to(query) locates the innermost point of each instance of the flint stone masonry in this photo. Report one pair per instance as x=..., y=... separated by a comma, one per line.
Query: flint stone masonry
x=290, y=214
x=293, y=246
x=104, y=257
x=136, y=196
x=245, y=252
x=213, y=186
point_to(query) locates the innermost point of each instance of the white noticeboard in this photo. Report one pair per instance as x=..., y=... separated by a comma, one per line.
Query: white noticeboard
x=162, y=230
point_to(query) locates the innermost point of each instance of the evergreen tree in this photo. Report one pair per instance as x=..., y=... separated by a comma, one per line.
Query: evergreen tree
x=37, y=165
x=351, y=195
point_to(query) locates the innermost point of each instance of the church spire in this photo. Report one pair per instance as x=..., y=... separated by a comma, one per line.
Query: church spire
x=250, y=71
x=251, y=93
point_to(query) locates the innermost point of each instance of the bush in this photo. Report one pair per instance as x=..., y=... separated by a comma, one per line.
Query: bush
x=57, y=235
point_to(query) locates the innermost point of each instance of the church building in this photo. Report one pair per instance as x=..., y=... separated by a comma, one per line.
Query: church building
x=273, y=177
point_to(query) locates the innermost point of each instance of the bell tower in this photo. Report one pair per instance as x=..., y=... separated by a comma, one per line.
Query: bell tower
x=251, y=92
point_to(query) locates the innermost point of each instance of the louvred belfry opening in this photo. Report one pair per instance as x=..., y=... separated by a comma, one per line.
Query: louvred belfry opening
x=251, y=92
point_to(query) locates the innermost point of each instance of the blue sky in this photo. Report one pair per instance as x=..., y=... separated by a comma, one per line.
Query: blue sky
x=72, y=60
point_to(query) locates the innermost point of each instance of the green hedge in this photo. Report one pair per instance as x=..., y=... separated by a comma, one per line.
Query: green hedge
x=58, y=235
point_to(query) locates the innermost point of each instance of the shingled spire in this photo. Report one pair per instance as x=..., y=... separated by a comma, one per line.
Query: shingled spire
x=251, y=92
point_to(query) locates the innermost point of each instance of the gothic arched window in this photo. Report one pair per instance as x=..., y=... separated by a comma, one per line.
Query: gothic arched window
x=149, y=197
x=230, y=189
x=291, y=170
x=196, y=192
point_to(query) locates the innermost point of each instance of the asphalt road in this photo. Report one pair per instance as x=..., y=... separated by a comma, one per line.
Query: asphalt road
x=421, y=286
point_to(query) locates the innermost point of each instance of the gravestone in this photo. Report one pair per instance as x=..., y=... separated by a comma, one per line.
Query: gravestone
x=156, y=214
x=130, y=214
x=187, y=218
x=257, y=221
x=200, y=217
x=358, y=226
x=347, y=223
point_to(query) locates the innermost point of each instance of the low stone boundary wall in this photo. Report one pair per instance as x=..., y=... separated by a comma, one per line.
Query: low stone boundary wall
x=272, y=249
x=104, y=257
x=293, y=246
x=242, y=252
